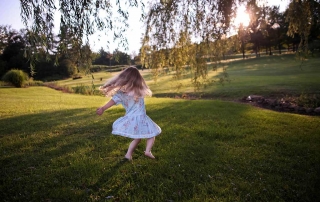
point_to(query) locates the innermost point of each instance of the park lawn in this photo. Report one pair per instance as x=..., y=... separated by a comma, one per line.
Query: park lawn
x=54, y=148
x=276, y=76
x=87, y=79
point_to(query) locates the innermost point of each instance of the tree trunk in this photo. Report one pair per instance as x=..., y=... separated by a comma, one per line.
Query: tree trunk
x=279, y=46
x=293, y=47
x=266, y=50
x=243, y=55
x=270, y=53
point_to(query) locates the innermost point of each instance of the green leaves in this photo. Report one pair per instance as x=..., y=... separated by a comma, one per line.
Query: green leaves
x=81, y=17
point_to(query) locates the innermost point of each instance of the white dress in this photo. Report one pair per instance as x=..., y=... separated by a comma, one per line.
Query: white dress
x=135, y=123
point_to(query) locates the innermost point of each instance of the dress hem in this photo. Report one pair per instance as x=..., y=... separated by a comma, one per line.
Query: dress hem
x=134, y=136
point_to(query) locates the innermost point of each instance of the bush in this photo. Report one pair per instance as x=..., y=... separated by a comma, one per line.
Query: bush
x=32, y=82
x=307, y=100
x=84, y=90
x=16, y=77
x=67, y=68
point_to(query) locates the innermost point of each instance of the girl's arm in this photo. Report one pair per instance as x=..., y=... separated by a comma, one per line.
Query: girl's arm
x=105, y=107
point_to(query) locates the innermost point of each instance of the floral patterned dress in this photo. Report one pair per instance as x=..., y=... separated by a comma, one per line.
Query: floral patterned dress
x=135, y=123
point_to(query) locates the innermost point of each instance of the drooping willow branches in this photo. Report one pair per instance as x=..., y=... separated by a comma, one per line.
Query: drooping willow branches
x=188, y=33
x=181, y=34
x=82, y=17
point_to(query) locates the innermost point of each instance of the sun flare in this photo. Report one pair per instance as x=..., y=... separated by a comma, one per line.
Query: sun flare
x=242, y=17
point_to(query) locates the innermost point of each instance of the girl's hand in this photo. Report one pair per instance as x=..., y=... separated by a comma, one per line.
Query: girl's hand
x=100, y=111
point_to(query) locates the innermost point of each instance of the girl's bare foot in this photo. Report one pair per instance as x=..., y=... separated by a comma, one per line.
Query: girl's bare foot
x=128, y=157
x=149, y=154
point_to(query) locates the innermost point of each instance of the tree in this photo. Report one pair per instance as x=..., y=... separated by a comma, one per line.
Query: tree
x=314, y=37
x=12, y=44
x=103, y=58
x=300, y=20
x=257, y=26
x=278, y=27
x=81, y=16
x=120, y=58
x=243, y=37
x=204, y=20
x=4, y=37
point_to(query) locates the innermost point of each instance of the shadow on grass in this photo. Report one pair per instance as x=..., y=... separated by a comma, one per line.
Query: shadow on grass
x=54, y=149
x=208, y=150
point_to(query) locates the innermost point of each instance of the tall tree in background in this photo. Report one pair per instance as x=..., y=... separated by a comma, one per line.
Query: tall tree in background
x=278, y=26
x=12, y=47
x=243, y=37
x=257, y=27
x=301, y=20
x=314, y=37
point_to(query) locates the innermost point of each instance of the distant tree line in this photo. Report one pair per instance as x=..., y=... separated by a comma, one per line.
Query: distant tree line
x=269, y=30
x=63, y=59
x=164, y=44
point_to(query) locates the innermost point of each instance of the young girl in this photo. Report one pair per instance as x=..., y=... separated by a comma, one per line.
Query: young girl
x=129, y=89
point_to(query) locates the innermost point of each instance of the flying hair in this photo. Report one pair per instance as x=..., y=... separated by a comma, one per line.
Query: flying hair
x=129, y=81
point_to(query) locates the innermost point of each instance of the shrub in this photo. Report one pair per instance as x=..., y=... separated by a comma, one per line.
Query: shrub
x=16, y=77
x=307, y=100
x=67, y=68
x=84, y=90
x=32, y=82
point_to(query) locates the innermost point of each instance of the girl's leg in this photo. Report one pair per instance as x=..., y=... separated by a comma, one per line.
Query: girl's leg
x=150, y=142
x=133, y=145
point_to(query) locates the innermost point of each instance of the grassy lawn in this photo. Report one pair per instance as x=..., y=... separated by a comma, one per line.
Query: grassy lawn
x=278, y=76
x=54, y=148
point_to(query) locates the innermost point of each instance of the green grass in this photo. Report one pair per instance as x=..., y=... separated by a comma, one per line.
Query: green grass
x=54, y=148
x=277, y=76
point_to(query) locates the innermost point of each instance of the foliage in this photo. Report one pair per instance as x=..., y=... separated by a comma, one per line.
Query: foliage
x=170, y=24
x=83, y=90
x=309, y=100
x=81, y=18
x=103, y=58
x=16, y=77
x=300, y=13
x=12, y=44
x=67, y=68
x=243, y=37
x=32, y=82
x=303, y=17
x=3, y=67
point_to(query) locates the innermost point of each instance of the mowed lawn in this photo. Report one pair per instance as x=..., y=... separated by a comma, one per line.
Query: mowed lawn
x=55, y=148
x=276, y=76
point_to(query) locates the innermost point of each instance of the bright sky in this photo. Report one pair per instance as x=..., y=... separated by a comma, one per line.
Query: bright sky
x=10, y=15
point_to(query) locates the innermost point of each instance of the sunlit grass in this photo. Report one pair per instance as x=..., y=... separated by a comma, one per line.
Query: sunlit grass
x=277, y=75
x=55, y=148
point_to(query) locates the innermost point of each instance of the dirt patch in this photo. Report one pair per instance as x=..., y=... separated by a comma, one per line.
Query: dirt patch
x=280, y=104
x=286, y=104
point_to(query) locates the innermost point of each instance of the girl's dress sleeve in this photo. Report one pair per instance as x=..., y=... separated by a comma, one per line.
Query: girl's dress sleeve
x=117, y=98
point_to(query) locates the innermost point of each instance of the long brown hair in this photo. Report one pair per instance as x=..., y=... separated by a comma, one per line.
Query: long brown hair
x=129, y=81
